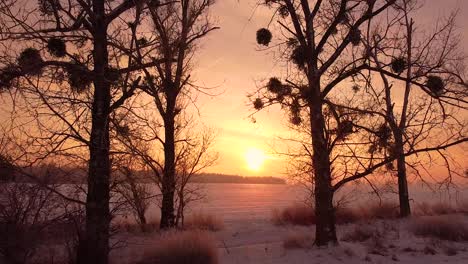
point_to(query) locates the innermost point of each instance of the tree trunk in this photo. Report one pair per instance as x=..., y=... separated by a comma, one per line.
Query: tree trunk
x=142, y=220
x=168, y=181
x=325, y=231
x=95, y=246
x=403, y=194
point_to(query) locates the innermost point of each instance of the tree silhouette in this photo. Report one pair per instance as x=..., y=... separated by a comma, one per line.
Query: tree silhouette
x=323, y=43
x=428, y=69
x=178, y=28
x=91, y=46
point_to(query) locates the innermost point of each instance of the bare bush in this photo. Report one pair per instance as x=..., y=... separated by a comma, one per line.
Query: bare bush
x=384, y=210
x=347, y=215
x=296, y=214
x=441, y=227
x=423, y=209
x=302, y=214
x=26, y=210
x=135, y=194
x=297, y=241
x=204, y=221
x=360, y=233
x=189, y=247
x=427, y=209
x=443, y=209
x=135, y=228
x=74, y=222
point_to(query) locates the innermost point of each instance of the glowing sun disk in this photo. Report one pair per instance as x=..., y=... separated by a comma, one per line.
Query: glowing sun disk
x=254, y=159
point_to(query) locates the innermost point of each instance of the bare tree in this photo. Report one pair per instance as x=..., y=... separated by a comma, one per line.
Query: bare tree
x=132, y=184
x=139, y=140
x=322, y=41
x=427, y=69
x=178, y=27
x=86, y=43
x=192, y=159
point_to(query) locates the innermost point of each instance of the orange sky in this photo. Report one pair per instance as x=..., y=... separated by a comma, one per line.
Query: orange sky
x=230, y=60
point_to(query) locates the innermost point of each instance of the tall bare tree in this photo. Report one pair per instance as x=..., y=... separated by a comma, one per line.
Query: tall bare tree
x=322, y=40
x=324, y=45
x=178, y=28
x=140, y=139
x=427, y=70
x=88, y=44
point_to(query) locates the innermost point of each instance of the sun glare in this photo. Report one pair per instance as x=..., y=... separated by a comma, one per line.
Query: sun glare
x=255, y=159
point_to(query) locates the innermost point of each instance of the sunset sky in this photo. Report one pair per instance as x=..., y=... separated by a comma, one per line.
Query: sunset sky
x=230, y=61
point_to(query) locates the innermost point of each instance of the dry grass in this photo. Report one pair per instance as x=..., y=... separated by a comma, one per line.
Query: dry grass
x=204, y=221
x=297, y=241
x=441, y=227
x=347, y=215
x=443, y=209
x=296, y=214
x=135, y=228
x=301, y=214
x=423, y=208
x=188, y=247
x=360, y=233
x=426, y=209
x=385, y=210
x=463, y=207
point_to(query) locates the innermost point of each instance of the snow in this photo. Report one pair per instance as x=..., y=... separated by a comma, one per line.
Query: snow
x=249, y=236
x=260, y=241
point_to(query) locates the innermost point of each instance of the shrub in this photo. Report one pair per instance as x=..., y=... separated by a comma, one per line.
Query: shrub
x=297, y=214
x=426, y=209
x=462, y=207
x=385, y=210
x=423, y=209
x=298, y=240
x=189, y=247
x=360, y=233
x=25, y=212
x=443, y=209
x=451, y=251
x=346, y=215
x=301, y=214
x=135, y=228
x=428, y=250
x=204, y=221
x=440, y=227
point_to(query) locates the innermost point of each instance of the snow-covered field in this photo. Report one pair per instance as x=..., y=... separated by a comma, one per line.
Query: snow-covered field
x=250, y=237
x=260, y=241
x=235, y=202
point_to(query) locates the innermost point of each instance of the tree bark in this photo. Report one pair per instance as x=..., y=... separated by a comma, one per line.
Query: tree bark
x=168, y=181
x=403, y=194
x=95, y=246
x=325, y=231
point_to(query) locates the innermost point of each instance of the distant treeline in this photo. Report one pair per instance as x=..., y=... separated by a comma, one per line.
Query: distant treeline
x=223, y=178
x=54, y=175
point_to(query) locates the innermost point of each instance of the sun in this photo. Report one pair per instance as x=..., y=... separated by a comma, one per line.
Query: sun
x=254, y=158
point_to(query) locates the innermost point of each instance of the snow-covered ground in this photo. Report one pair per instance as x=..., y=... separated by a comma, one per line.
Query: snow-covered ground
x=257, y=242
x=250, y=237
